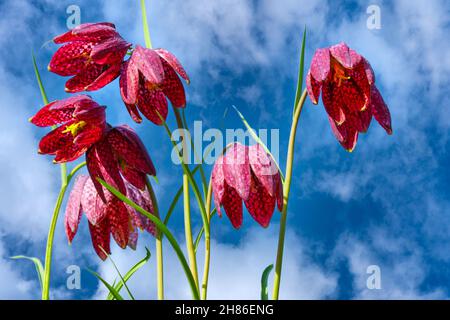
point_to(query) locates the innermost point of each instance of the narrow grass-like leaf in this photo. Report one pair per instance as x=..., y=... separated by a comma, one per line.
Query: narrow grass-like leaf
x=111, y=289
x=173, y=242
x=301, y=72
x=257, y=139
x=120, y=275
x=39, y=80
x=264, y=280
x=37, y=264
x=130, y=273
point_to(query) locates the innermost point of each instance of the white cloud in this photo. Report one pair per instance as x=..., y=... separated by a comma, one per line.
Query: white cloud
x=235, y=270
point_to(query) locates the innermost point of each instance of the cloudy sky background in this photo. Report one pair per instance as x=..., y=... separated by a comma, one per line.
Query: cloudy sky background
x=385, y=204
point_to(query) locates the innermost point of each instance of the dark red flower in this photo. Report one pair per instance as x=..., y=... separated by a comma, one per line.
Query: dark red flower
x=247, y=174
x=92, y=53
x=349, y=93
x=120, y=154
x=113, y=217
x=82, y=123
x=147, y=78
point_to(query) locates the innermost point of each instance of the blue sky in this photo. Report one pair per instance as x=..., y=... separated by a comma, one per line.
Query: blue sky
x=385, y=204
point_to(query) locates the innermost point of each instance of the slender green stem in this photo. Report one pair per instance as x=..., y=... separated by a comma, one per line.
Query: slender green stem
x=286, y=190
x=187, y=205
x=159, y=248
x=188, y=229
x=207, y=245
x=173, y=242
x=148, y=41
x=49, y=247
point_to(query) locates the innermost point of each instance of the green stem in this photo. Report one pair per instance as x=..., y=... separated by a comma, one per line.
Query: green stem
x=49, y=247
x=187, y=205
x=286, y=190
x=207, y=245
x=148, y=41
x=159, y=248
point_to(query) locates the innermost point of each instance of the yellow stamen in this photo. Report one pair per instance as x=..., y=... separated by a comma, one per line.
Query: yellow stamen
x=339, y=72
x=74, y=128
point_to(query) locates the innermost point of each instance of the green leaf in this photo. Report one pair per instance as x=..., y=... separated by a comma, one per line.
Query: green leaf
x=130, y=272
x=301, y=70
x=264, y=279
x=37, y=264
x=118, y=272
x=148, y=42
x=39, y=80
x=257, y=139
x=173, y=242
x=111, y=289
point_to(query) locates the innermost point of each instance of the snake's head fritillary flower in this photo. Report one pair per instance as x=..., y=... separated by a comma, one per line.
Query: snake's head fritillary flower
x=120, y=154
x=247, y=174
x=81, y=124
x=113, y=217
x=147, y=78
x=92, y=53
x=349, y=94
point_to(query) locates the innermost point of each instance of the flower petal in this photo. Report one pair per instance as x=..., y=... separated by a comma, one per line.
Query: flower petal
x=84, y=78
x=218, y=183
x=55, y=140
x=173, y=62
x=119, y=221
x=260, y=204
x=332, y=102
x=152, y=102
x=129, y=82
x=110, y=51
x=320, y=64
x=236, y=169
x=88, y=31
x=134, y=112
x=71, y=58
x=92, y=204
x=73, y=209
x=149, y=64
x=347, y=57
x=102, y=164
x=263, y=167
x=232, y=205
x=107, y=76
x=313, y=88
x=380, y=110
x=46, y=117
x=100, y=238
x=172, y=87
x=350, y=96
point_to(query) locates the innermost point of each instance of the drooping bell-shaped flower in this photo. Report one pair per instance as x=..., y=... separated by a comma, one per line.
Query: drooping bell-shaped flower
x=113, y=217
x=92, y=53
x=349, y=94
x=82, y=123
x=247, y=174
x=147, y=78
x=120, y=154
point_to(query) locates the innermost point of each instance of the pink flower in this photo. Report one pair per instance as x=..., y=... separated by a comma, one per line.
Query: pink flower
x=92, y=53
x=349, y=94
x=247, y=174
x=147, y=78
x=82, y=123
x=120, y=154
x=113, y=217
